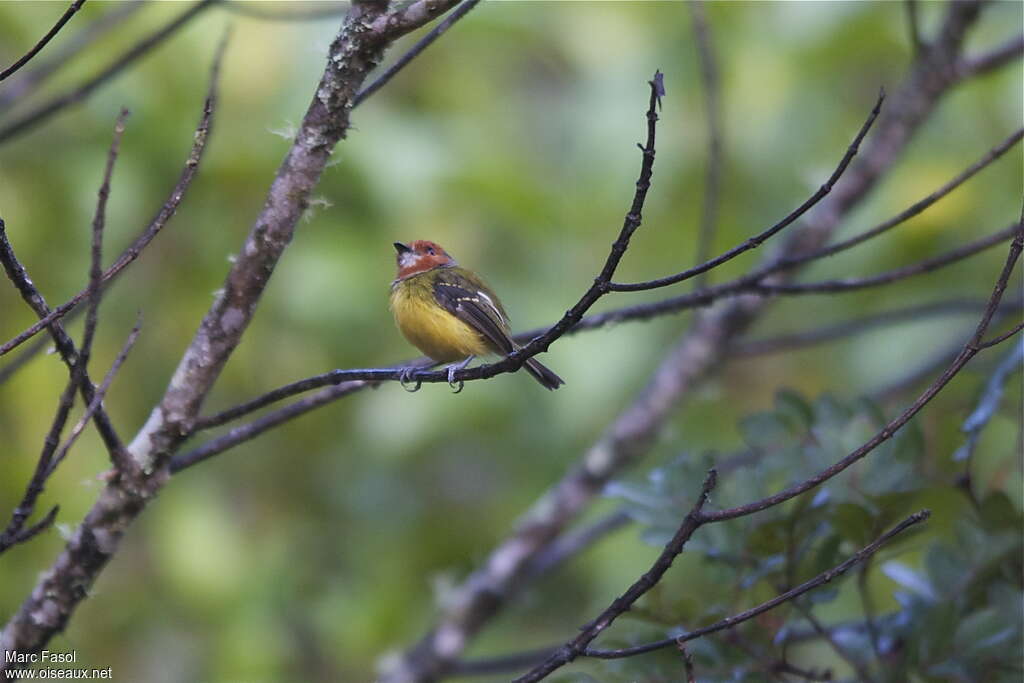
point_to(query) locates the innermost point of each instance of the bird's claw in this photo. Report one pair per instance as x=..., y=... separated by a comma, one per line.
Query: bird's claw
x=405, y=379
x=456, y=386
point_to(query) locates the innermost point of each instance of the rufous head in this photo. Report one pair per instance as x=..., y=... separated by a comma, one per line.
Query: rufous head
x=419, y=256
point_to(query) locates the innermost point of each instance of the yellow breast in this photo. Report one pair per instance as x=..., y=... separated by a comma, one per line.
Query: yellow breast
x=430, y=328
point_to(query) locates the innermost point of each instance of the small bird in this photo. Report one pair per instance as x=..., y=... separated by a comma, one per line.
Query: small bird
x=448, y=313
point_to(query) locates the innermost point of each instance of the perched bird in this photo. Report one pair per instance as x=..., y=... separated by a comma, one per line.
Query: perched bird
x=448, y=313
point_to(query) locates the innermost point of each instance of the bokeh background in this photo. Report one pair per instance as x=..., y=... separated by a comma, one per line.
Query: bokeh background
x=315, y=550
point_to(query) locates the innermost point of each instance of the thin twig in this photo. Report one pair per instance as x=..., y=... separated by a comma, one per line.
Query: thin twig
x=925, y=266
x=729, y=622
x=44, y=111
x=97, y=400
x=161, y=219
x=251, y=430
x=849, y=328
x=65, y=18
x=30, y=293
x=908, y=213
x=413, y=52
x=969, y=350
x=999, y=339
x=13, y=532
x=997, y=57
x=757, y=240
x=17, y=89
x=650, y=578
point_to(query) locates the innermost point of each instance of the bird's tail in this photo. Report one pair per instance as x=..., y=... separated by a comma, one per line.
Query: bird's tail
x=541, y=373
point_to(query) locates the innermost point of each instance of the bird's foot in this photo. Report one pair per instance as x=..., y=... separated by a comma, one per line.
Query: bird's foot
x=405, y=379
x=452, y=369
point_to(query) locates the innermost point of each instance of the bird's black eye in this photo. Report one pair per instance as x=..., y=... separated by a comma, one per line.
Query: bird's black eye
x=430, y=250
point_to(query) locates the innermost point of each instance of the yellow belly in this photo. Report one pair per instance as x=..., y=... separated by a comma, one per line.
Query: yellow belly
x=430, y=328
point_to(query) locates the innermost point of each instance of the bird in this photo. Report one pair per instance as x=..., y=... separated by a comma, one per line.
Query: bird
x=450, y=314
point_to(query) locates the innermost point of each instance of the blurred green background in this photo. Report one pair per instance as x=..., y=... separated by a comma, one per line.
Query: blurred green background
x=318, y=548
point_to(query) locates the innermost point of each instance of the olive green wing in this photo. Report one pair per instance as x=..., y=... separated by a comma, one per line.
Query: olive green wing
x=468, y=299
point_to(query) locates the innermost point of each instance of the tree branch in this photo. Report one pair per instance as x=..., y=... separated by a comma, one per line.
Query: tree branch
x=65, y=18
x=848, y=328
x=357, y=48
x=36, y=116
x=134, y=250
x=575, y=647
x=729, y=622
x=413, y=52
x=758, y=239
x=18, y=88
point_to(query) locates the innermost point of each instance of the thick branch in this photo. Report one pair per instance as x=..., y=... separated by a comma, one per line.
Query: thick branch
x=354, y=52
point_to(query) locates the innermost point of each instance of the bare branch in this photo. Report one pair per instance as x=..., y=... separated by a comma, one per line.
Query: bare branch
x=848, y=328
x=133, y=251
x=13, y=532
x=73, y=358
x=925, y=266
x=729, y=622
x=572, y=649
x=908, y=213
x=1000, y=56
x=413, y=52
x=999, y=339
x=43, y=112
x=251, y=430
x=26, y=81
x=70, y=12
x=758, y=239
x=97, y=400
x=970, y=349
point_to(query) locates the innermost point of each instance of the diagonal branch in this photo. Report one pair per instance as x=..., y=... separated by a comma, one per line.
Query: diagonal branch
x=757, y=240
x=413, y=52
x=65, y=18
x=575, y=647
x=75, y=359
x=135, y=249
x=825, y=577
x=41, y=113
x=357, y=48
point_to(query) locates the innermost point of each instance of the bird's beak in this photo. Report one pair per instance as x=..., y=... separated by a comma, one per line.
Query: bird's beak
x=402, y=248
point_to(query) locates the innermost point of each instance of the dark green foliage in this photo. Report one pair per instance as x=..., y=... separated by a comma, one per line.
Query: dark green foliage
x=945, y=601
